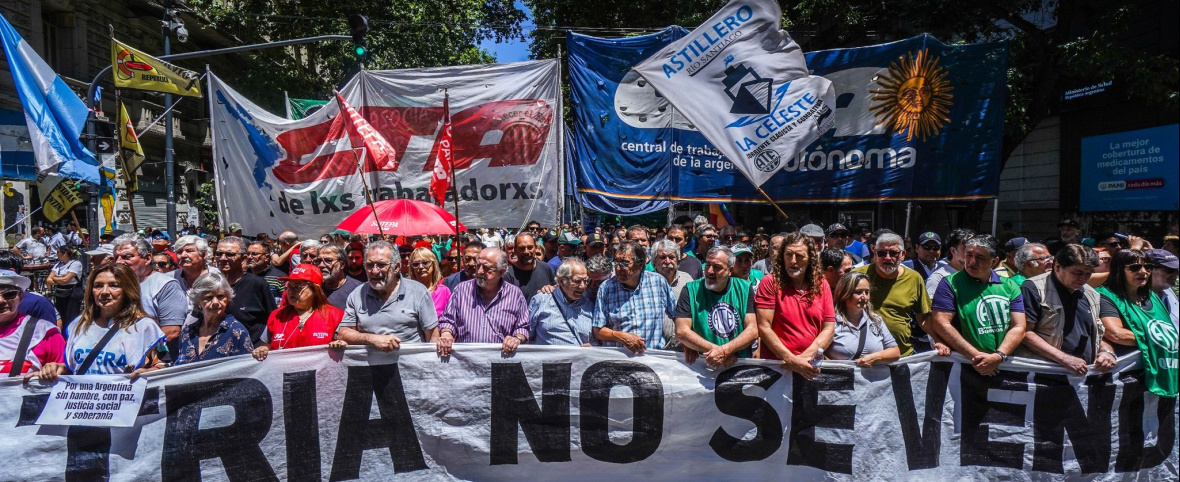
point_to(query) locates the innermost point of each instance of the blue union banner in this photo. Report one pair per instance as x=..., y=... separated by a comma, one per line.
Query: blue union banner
x=914, y=120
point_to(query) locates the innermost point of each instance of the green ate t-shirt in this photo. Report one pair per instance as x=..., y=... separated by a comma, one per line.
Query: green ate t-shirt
x=717, y=317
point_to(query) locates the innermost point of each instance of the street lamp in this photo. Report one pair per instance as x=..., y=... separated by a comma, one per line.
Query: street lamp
x=171, y=24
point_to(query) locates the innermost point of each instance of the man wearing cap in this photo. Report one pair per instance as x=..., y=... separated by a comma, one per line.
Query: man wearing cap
x=567, y=247
x=743, y=265
x=390, y=309
x=526, y=272
x=235, y=229
x=1007, y=268
x=1163, y=278
x=954, y=247
x=816, y=234
x=160, y=241
x=551, y=241
x=252, y=302
x=595, y=245
x=838, y=236
x=929, y=247
x=1068, y=232
x=161, y=296
x=26, y=342
x=100, y=254
x=336, y=285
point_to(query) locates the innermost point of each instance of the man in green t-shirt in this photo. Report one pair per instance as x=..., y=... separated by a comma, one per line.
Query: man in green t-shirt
x=978, y=313
x=715, y=314
x=897, y=294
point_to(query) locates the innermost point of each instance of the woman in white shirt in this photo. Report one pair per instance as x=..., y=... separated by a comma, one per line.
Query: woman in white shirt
x=861, y=334
x=63, y=279
x=111, y=305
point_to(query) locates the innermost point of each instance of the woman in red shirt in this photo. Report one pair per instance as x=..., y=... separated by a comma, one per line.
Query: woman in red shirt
x=796, y=318
x=304, y=318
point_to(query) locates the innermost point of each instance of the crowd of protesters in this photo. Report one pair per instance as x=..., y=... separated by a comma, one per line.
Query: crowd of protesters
x=717, y=295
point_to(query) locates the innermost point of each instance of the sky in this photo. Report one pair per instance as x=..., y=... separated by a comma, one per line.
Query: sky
x=512, y=51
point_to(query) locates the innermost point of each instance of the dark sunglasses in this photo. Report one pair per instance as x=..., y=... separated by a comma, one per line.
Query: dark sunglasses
x=1138, y=266
x=10, y=294
x=888, y=253
x=163, y=264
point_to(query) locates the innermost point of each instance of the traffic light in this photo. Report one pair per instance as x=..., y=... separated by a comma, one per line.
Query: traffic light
x=358, y=26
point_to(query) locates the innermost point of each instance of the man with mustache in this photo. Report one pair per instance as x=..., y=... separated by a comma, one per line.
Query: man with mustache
x=252, y=300
x=389, y=309
x=631, y=307
x=715, y=314
x=486, y=309
x=337, y=286
x=898, y=295
x=667, y=253
x=563, y=316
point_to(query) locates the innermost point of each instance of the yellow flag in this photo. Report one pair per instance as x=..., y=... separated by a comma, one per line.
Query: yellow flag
x=60, y=199
x=133, y=69
x=131, y=153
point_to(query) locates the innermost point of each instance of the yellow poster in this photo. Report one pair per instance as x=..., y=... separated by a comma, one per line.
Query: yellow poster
x=131, y=152
x=60, y=200
x=133, y=69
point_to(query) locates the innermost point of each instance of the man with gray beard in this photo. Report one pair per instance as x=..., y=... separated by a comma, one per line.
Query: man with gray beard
x=899, y=297
x=666, y=254
x=390, y=309
x=715, y=314
x=337, y=286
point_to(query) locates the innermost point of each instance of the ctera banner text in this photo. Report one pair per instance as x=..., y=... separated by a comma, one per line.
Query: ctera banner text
x=592, y=413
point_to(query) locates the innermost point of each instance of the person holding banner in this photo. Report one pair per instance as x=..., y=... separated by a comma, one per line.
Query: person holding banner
x=1062, y=313
x=866, y=340
x=1135, y=317
x=113, y=335
x=305, y=318
x=26, y=342
x=631, y=307
x=796, y=317
x=898, y=295
x=216, y=334
x=390, y=309
x=487, y=309
x=563, y=316
x=715, y=314
x=978, y=313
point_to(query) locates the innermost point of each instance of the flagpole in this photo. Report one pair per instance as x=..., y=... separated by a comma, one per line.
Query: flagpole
x=454, y=174
x=772, y=203
x=123, y=164
x=359, y=166
x=287, y=104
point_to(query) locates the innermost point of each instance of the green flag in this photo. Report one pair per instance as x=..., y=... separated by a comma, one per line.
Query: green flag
x=300, y=108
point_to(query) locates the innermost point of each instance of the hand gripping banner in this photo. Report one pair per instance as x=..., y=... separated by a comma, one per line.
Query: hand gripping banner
x=570, y=413
x=275, y=174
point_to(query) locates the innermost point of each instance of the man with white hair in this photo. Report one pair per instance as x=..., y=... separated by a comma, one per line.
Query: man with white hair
x=666, y=254
x=715, y=315
x=486, y=309
x=389, y=309
x=192, y=254
x=563, y=316
x=161, y=296
x=308, y=251
x=898, y=294
x=1031, y=260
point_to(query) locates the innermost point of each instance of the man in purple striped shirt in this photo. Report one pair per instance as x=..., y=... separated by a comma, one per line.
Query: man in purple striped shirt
x=485, y=309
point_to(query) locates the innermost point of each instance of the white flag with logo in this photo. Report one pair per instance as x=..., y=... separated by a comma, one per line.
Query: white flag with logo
x=743, y=81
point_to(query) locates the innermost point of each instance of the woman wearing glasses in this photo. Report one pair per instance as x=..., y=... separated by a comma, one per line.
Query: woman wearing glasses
x=424, y=269
x=1135, y=317
x=113, y=335
x=861, y=334
x=305, y=318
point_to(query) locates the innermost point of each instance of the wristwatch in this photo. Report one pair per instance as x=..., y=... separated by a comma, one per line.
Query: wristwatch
x=521, y=338
x=1003, y=357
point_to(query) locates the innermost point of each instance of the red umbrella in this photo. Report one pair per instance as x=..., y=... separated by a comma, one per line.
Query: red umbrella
x=402, y=217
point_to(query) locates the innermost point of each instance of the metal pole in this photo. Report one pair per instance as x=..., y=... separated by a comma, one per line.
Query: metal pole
x=908, y=207
x=995, y=213
x=169, y=168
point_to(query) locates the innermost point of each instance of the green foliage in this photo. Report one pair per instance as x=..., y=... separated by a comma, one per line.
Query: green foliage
x=206, y=203
x=402, y=34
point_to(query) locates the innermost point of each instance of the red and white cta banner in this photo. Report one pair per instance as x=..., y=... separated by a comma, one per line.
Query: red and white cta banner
x=274, y=174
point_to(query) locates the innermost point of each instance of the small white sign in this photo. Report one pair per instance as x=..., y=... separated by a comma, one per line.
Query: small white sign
x=93, y=400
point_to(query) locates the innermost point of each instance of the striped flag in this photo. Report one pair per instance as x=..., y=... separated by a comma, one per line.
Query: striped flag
x=54, y=114
x=444, y=163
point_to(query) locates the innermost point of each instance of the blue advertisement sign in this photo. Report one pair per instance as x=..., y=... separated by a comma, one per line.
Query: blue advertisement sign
x=1132, y=171
x=915, y=120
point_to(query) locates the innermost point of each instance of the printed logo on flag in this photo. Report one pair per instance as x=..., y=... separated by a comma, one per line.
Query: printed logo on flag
x=914, y=98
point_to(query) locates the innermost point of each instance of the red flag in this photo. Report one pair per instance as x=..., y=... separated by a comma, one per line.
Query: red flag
x=444, y=162
x=380, y=151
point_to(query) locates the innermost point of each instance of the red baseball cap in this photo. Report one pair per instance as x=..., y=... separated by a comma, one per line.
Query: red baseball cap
x=305, y=272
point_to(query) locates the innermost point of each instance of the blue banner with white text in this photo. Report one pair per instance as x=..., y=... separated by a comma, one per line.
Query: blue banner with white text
x=915, y=120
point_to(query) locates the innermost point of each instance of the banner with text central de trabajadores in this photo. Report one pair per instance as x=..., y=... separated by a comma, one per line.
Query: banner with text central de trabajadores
x=274, y=174
x=570, y=413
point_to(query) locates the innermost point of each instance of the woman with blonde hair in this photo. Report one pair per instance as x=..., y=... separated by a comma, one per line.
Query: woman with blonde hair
x=424, y=269
x=113, y=335
x=861, y=334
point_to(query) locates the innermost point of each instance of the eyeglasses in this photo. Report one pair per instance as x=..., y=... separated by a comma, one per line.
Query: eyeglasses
x=323, y=260
x=1140, y=266
x=10, y=294
x=1042, y=258
x=888, y=253
x=372, y=265
x=227, y=254
x=163, y=264
x=579, y=281
x=420, y=264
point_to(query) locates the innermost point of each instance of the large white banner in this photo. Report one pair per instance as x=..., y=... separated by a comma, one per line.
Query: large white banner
x=743, y=82
x=572, y=413
x=275, y=174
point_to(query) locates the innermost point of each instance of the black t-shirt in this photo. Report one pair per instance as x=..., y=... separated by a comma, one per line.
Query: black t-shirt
x=363, y=277
x=252, y=304
x=1077, y=328
x=692, y=266
x=1107, y=309
x=532, y=280
x=339, y=296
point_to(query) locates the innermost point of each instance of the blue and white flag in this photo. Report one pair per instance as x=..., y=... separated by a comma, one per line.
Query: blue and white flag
x=744, y=83
x=54, y=114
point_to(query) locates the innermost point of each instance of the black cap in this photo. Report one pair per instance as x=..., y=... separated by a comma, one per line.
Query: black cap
x=550, y=236
x=835, y=228
x=1068, y=222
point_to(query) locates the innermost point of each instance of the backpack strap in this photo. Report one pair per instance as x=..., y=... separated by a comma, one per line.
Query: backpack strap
x=90, y=357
